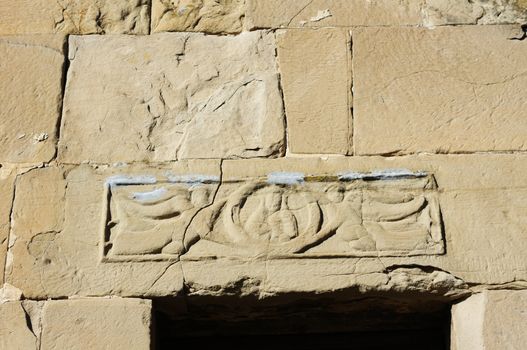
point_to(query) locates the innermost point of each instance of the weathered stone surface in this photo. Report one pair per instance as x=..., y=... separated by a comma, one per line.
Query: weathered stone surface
x=136, y=239
x=14, y=331
x=441, y=12
x=7, y=180
x=315, y=68
x=345, y=13
x=85, y=324
x=271, y=216
x=31, y=96
x=211, y=16
x=323, y=13
x=65, y=217
x=172, y=95
x=466, y=331
x=74, y=16
x=447, y=90
x=490, y=320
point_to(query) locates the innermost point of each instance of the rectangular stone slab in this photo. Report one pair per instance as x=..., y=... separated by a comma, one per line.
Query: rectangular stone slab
x=14, y=330
x=481, y=200
x=492, y=319
x=31, y=96
x=315, y=67
x=172, y=96
x=74, y=16
x=93, y=323
x=332, y=13
x=349, y=13
x=209, y=16
x=443, y=90
x=282, y=215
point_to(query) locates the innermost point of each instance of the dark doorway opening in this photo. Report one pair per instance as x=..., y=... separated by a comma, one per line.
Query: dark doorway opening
x=301, y=323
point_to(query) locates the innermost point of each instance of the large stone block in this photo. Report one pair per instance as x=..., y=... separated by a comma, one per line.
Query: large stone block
x=31, y=96
x=74, y=16
x=171, y=96
x=333, y=13
x=441, y=12
x=211, y=16
x=15, y=333
x=490, y=320
x=346, y=13
x=266, y=227
x=446, y=90
x=315, y=68
x=65, y=217
x=86, y=324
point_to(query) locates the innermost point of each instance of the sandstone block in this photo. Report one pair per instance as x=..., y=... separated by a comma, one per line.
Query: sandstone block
x=14, y=331
x=211, y=16
x=31, y=96
x=263, y=227
x=316, y=80
x=346, y=13
x=74, y=16
x=441, y=12
x=493, y=319
x=171, y=96
x=96, y=324
x=60, y=229
x=333, y=13
x=447, y=90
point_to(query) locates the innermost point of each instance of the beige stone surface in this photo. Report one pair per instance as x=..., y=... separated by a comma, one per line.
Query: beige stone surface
x=505, y=324
x=60, y=233
x=74, y=16
x=345, y=13
x=31, y=96
x=171, y=96
x=468, y=316
x=14, y=331
x=315, y=67
x=443, y=12
x=7, y=181
x=85, y=324
x=149, y=248
x=210, y=16
x=339, y=13
x=490, y=320
x=446, y=90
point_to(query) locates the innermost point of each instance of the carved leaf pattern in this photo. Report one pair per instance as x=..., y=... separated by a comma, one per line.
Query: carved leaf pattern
x=254, y=217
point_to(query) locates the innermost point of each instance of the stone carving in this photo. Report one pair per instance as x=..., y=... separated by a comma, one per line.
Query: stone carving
x=353, y=214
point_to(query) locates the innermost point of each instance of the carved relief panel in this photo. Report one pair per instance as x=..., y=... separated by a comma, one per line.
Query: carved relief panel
x=283, y=215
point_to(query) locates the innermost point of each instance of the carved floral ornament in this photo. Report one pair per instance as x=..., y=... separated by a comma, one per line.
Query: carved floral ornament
x=383, y=213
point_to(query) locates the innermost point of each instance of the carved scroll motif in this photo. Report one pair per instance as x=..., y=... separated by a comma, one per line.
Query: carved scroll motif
x=366, y=215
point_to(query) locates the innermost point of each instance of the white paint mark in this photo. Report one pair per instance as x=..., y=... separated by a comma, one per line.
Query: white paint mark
x=130, y=180
x=385, y=174
x=192, y=178
x=285, y=178
x=321, y=15
x=150, y=195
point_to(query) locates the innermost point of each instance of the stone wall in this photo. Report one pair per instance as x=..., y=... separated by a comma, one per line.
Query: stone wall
x=260, y=149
